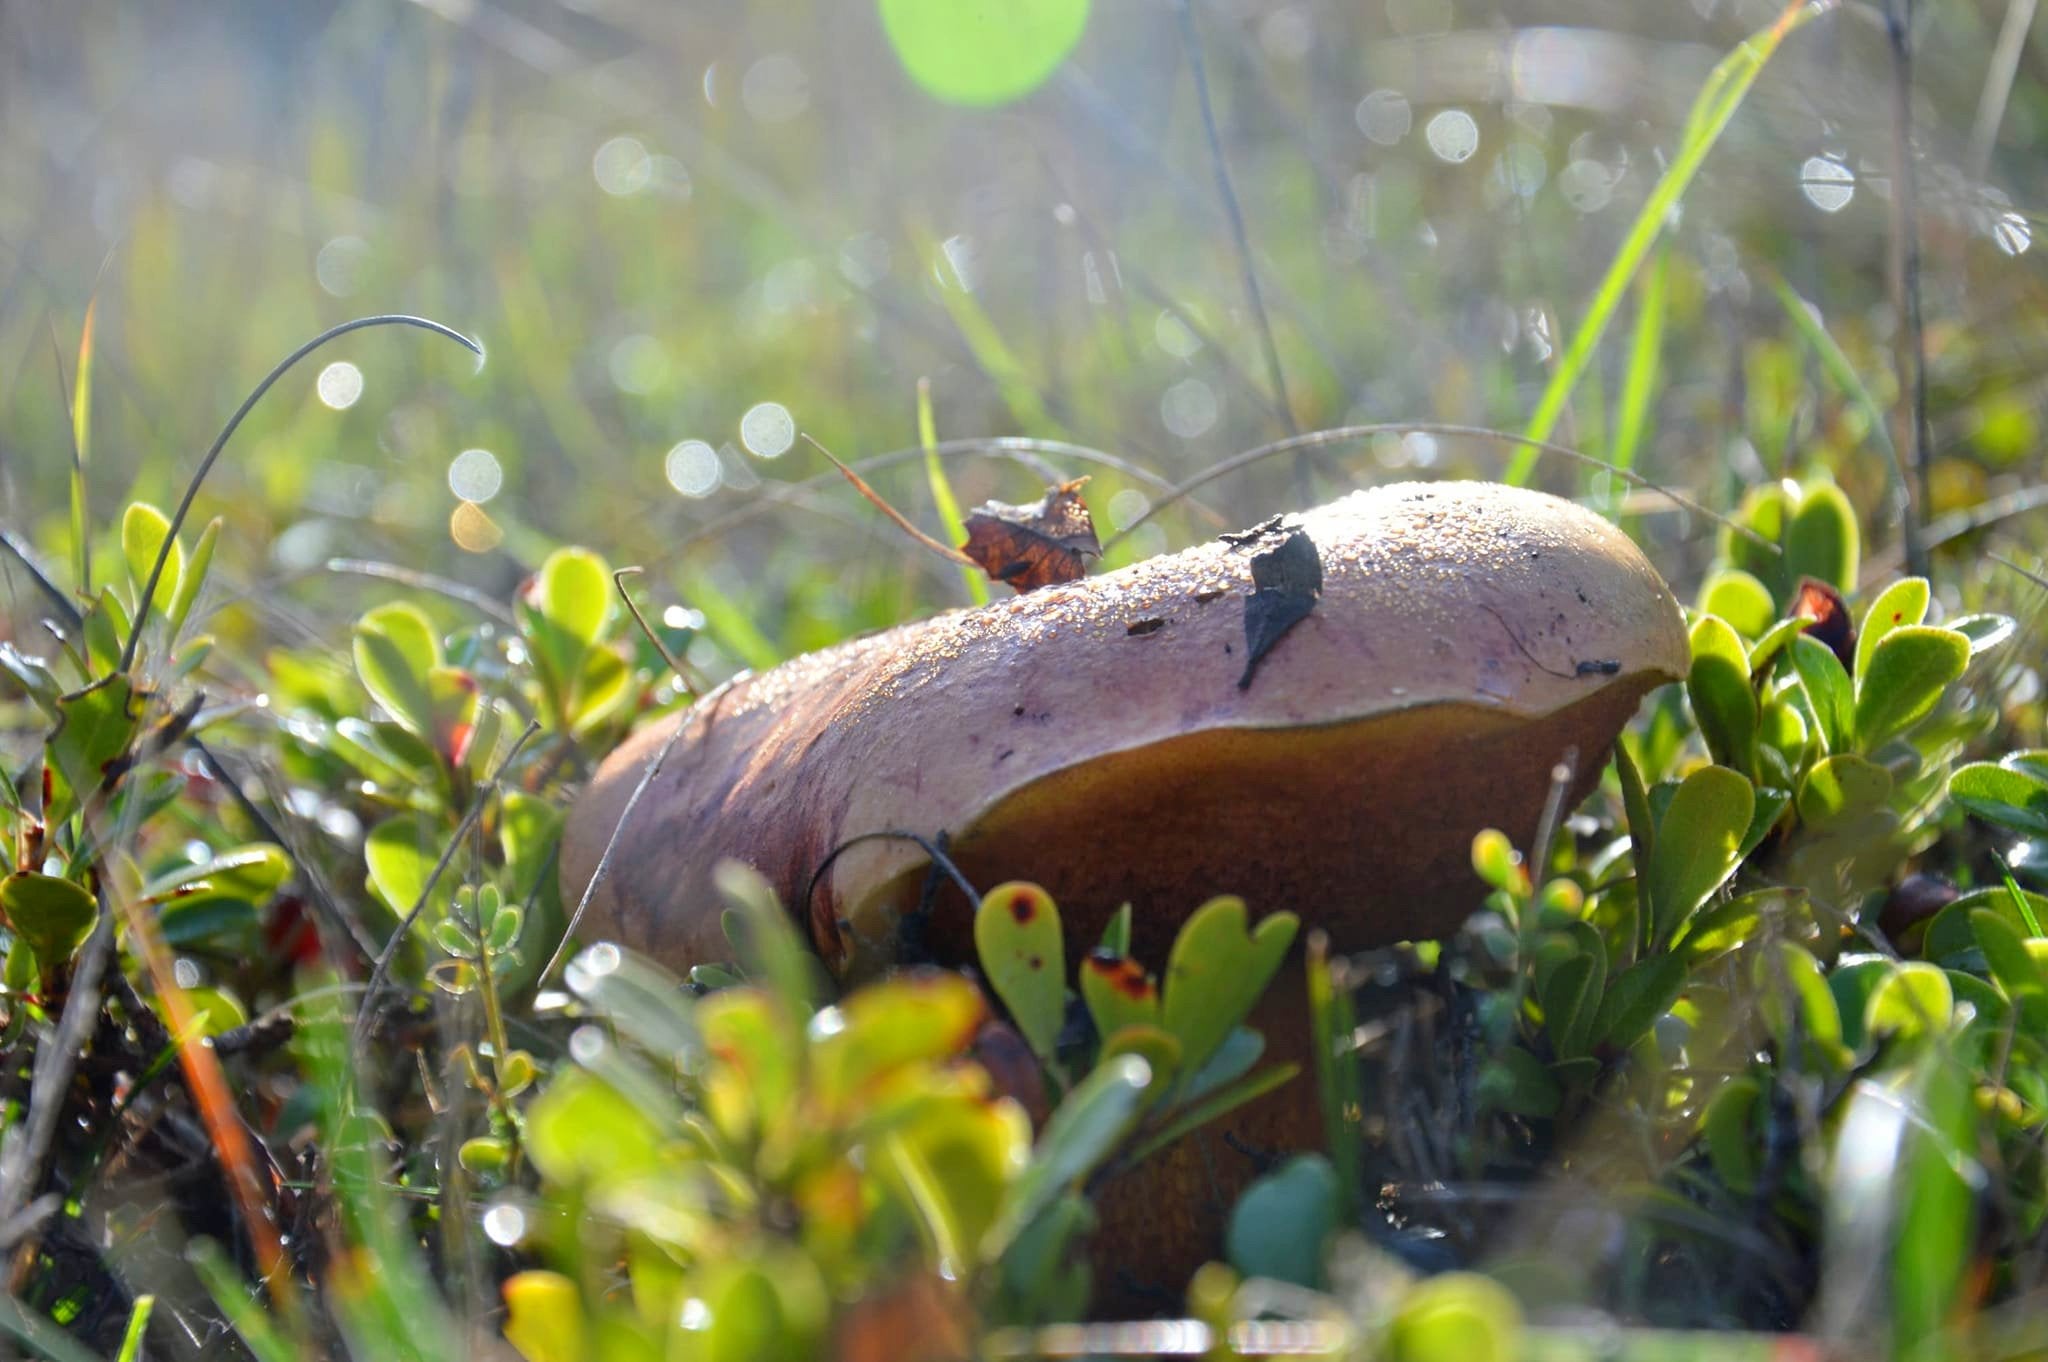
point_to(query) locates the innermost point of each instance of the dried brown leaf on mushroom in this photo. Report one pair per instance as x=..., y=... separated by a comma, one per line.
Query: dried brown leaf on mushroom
x=1042, y=543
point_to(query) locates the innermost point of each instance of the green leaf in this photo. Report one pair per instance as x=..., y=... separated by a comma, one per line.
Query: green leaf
x=1902, y=605
x=2010, y=795
x=1950, y=937
x=1279, y=1225
x=603, y=683
x=957, y=1161
x=919, y=1017
x=1081, y=1134
x=1744, y=602
x=253, y=872
x=102, y=633
x=1852, y=981
x=34, y=676
x=1456, y=1317
x=751, y=1085
x=1217, y=971
x=206, y=920
x=574, y=593
x=1155, y=1045
x=1770, y=803
x=641, y=1000
x=982, y=55
x=1733, y=921
x=217, y=1010
x=1828, y=691
x=1912, y=1001
x=1762, y=512
x=1774, y=641
x=1729, y=1132
x=1025, y=959
x=1195, y=1112
x=192, y=575
x=1515, y=1081
x=2012, y=964
x=1635, y=803
x=1798, y=1006
x=1722, y=701
x=1699, y=843
x=1909, y=670
x=395, y=651
x=143, y=530
x=94, y=729
x=1635, y=999
x=452, y=696
x=1118, y=992
x=583, y=1132
x=53, y=915
x=1822, y=540
x=1932, y=1258
x=1843, y=786
x=1985, y=632
x=400, y=853
x=768, y=944
x=1570, y=970
x=544, y=1317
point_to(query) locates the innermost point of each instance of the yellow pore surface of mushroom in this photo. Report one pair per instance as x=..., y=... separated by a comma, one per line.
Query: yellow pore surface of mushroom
x=1094, y=737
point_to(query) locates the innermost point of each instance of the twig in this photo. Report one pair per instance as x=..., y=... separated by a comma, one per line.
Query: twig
x=269, y=831
x=51, y=591
x=220, y=442
x=403, y=931
x=1998, y=78
x=1347, y=434
x=875, y=499
x=685, y=674
x=1232, y=213
x=22, y=1155
x=604, y=860
x=1909, y=418
x=425, y=581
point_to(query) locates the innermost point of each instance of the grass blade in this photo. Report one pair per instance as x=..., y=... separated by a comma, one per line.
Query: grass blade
x=81, y=441
x=1711, y=113
x=1639, y=384
x=942, y=489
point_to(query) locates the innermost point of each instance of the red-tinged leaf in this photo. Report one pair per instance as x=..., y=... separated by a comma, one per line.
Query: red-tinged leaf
x=1040, y=544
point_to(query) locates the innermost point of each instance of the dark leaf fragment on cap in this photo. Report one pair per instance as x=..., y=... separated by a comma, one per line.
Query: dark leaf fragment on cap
x=1287, y=580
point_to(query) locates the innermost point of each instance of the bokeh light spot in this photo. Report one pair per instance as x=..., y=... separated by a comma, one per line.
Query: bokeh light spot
x=1827, y=183
x=504, y=1224
x=768, y=430
x=692, y=468
x=775, y=89
x=340, y=265
x=475, y=475
x=622, y=166
x=472, y=528
x=2013, y=233
x=1190, y=408
x=339, y=385
x=1384, y=116
x=1453, y=135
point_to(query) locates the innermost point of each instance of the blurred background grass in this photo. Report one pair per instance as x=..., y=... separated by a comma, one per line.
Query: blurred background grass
x=685, y=232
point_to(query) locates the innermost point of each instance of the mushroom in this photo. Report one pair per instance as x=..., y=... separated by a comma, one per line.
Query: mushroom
x=1112, y=740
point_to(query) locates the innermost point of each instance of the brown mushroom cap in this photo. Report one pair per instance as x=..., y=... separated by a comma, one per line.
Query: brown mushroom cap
x=1093, y=737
